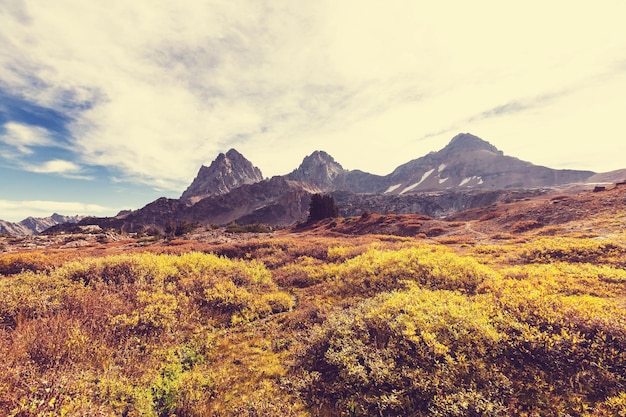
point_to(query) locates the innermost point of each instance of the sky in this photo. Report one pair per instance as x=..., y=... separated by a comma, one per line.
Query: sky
x=109, y=105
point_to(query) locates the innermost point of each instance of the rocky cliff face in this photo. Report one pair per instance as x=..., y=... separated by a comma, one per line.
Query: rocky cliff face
x=227, y=172
x=436, y=204
x=276, y=201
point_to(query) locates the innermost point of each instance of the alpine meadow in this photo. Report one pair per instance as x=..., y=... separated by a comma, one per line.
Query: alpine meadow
x=487, y=314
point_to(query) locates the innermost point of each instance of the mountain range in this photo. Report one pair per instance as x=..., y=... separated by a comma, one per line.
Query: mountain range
x=467, y=162
x=35, y=225
x=467, y=173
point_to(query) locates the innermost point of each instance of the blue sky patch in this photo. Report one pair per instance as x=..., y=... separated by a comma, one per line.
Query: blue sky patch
x=16, y=109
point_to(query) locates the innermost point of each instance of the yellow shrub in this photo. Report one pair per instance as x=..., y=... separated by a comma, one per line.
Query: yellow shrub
x=341, y=253
x=544, y=250
x=414, y=352
x=155, y=312
x=31, y=295
x=612, y=407
x=562, y=277
x=303, y=272
x=101, y=322
x=518, y=348
x=239, y=305
x=278, y=301
x=27, y=261
x=383, y=270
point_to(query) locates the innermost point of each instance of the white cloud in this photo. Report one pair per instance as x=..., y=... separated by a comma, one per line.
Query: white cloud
x=57, y=166
x=23, y=137
x=169, y=85
x=15, y=211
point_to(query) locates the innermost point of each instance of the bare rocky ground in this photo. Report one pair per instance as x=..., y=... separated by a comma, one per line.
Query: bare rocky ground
x=595, y=214
x=93, y=241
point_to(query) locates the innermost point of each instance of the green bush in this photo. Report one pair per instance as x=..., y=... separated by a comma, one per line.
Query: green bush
x=415, y=352
x=515, y=350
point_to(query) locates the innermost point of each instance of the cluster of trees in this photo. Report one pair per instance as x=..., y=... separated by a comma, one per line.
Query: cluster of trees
x=322, y=207
x=179, y=229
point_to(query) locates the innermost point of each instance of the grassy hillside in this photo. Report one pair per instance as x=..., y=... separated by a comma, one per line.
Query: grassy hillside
x=319, y=324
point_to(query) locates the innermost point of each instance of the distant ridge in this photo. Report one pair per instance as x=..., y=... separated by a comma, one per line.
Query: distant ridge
x=608, y=177
x=35, y=225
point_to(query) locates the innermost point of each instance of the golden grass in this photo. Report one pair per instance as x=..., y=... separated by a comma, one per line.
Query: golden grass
x=305, y=324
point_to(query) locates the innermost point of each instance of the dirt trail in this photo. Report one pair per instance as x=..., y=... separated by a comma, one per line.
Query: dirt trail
x=470, y=229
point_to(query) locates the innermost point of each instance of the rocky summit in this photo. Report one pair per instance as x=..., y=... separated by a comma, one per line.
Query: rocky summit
x=469, y=162
x=227, y=172
x=317, y=172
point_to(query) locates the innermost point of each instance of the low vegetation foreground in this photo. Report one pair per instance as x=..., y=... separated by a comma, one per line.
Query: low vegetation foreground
x=468, y=321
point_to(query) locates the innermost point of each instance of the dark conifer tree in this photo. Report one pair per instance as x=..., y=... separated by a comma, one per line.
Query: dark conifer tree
x=322, y=207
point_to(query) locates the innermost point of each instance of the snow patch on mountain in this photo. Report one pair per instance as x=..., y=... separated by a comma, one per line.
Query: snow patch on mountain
x=469, y=179
x=410, y=187
x=392, y=188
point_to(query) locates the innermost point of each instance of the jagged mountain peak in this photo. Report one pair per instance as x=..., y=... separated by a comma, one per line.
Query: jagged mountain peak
x=320, y=160
x=227, y=172
x=317, y=171
x=233, y=154
x=321, y=156
x=230, y=157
